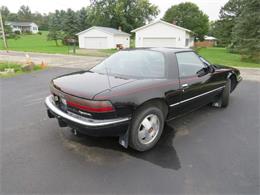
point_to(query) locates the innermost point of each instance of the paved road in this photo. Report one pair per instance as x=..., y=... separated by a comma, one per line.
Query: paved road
x=210, y=151
x=57, y=60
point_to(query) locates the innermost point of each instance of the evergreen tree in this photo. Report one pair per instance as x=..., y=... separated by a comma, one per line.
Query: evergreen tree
x=70, y=24
x=55, y=27
x=223, y=28
x=83, y=22
x=246, y=32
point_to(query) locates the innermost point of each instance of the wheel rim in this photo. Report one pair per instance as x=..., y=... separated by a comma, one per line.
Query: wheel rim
x=149, y=129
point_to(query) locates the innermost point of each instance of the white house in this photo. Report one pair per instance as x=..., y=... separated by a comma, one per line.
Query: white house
x=98, y=37
x=163, y=34
x=23, y=27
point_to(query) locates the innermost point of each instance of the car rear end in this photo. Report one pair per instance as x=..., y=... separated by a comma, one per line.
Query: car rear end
x=88, y=116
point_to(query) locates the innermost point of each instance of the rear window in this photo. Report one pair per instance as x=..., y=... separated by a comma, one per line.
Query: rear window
x=137, y=63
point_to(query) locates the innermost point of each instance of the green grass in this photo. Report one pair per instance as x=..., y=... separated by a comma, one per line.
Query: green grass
x=17, y=69
x=39, y=43
x=35, y=43
x=218, y=55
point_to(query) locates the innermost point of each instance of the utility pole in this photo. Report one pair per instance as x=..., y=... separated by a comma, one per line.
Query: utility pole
x=3, y=30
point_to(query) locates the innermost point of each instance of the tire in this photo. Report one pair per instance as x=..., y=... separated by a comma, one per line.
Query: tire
x=146, y=128
x=224, y=98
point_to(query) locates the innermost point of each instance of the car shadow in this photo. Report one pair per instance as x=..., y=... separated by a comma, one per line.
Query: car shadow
x=163, y=154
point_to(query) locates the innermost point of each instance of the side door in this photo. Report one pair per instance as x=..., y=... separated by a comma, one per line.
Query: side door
x=196, y=89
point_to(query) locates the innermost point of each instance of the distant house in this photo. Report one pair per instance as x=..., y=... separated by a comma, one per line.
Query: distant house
x=23, y=27
x=98, y=37
x=163, y=34
x=209, y=41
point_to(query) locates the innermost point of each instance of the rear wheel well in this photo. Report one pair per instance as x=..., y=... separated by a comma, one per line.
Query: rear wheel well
x=157, y=102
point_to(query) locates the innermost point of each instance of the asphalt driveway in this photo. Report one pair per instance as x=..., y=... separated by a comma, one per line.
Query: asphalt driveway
x=210, y=151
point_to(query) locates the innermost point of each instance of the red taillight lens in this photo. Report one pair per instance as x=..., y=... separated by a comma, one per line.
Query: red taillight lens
x=93, y=106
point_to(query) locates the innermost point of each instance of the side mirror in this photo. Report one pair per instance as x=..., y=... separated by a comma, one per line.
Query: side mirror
x=211, y=69
x=203, y=72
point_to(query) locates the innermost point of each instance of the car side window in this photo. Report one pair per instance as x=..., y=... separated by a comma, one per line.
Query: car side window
x=189, y=63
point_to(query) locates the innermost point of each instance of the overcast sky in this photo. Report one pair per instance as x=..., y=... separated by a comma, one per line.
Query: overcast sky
x=210, y=7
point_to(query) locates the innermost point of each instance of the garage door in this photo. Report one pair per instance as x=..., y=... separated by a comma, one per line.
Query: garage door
x=159, y=42
x=96, y=42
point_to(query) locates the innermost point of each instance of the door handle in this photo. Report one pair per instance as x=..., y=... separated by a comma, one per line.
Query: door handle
x=185, y=86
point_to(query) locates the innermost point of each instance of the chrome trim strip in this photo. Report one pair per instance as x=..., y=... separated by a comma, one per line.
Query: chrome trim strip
x=189, y=99
x=81, y=120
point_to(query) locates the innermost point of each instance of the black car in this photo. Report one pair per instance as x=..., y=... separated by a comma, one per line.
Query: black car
x=134, y=92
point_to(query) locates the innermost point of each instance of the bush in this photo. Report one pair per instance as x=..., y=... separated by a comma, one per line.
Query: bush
x=12, y=36
x=39, y=33
x=19, y=68
x=253, y=58
x=17, y=32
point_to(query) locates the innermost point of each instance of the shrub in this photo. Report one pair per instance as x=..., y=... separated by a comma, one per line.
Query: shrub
x=17, y=32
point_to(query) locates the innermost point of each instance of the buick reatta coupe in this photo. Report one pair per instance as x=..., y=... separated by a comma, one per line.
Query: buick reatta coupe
x=134, y=92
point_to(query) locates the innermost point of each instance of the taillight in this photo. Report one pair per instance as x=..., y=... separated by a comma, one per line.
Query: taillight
x=93, y=106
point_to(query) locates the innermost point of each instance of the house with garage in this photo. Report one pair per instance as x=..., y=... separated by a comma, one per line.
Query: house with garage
x=98, y=37
x=163, y=34
x=23, y=27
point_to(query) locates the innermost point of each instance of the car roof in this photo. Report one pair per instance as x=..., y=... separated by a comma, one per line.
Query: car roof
x=161, y=49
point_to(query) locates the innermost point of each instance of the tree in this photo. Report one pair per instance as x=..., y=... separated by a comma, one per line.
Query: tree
x=55, y=36
x=5, y=12
x=55, y=27
x=83, y=22
x=232, y=9
x=41, y=20
x=222, y=29
x=246, y=32
x=24, y=14
x=70, y=24
x=128, y=14
x=188, y=15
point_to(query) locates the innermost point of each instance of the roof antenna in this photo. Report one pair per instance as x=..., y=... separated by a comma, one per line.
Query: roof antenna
x=108, y=79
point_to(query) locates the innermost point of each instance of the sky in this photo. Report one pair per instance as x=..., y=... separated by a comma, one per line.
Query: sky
x=210, y=7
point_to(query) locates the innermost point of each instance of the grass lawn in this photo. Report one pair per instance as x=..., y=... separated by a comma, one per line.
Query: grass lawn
x=39, y=43
x=217, y=55
x=17, y=68
x=35, y=43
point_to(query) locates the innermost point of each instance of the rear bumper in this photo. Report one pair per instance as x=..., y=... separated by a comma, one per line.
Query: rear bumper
x=110, y=127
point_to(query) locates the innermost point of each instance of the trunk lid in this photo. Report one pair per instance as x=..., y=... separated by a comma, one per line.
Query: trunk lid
x=87, y=84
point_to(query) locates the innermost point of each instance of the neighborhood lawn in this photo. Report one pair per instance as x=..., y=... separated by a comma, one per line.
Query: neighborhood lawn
x=9, y=69
x=39, y=43
x=218, y=55
x=35, y=43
